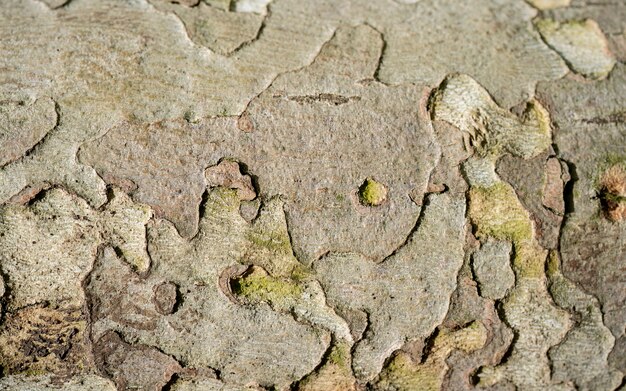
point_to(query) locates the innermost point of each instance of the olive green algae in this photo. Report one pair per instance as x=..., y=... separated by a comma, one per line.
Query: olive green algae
x=404, y=374
x=335, y=374
x=495, y=211
x=258, y=286
x=372, y=193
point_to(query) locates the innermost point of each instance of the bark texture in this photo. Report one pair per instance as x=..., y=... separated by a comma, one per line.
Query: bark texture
x=312, y=195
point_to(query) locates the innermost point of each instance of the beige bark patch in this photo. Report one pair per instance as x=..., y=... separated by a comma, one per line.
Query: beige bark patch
x=23, y=124
x=581, y=43
x=549, y=4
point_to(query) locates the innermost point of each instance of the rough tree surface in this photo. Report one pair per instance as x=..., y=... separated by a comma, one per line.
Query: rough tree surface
x=313, y=195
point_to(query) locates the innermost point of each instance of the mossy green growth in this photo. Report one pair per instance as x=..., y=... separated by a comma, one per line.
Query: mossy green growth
x=340, y=355
x=372, y=193
x=497, y=212
x=32, y=372
x=529, y=260
x=612, y=159
x=273, y=240
x=335, y=374
x=300, y=273
x=258, y=286
x=404, y=375
x=191, y=117
x=221, y=201
x=554, y=264
x=546, y=25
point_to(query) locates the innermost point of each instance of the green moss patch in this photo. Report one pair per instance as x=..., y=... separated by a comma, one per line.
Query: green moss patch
x=372, y=193
x=258, y=286
x=496, y=212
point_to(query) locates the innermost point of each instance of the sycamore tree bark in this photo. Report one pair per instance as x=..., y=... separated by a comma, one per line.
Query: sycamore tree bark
x=312, y=195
